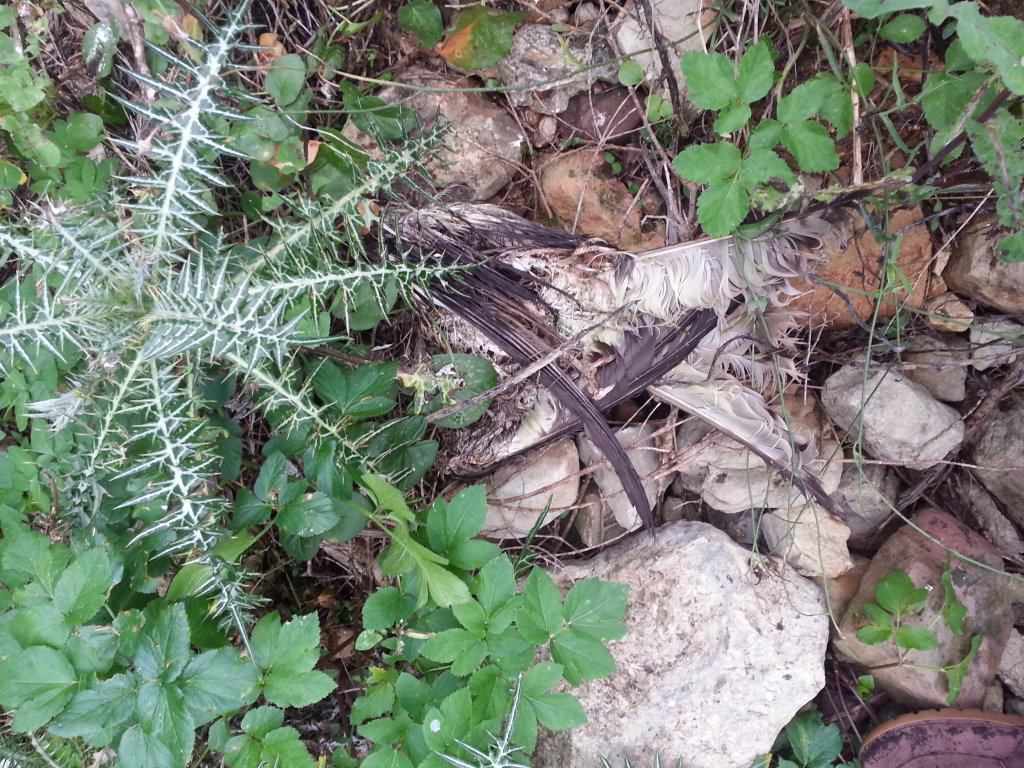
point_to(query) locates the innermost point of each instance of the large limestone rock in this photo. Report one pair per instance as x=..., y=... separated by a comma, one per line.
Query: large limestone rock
x=939, y=364
x=977, y=270
x=714, y=641
x=985, y=591
x=896, y=419
x=998, y=456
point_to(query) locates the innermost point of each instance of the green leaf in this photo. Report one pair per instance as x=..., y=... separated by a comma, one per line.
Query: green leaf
x=904, y=28
x=387, y=497
x=457, y=521
x=36, y=684
x=765, y=136
x=630, y=73
x=558, y=711
x=862, y=79
x=945, y=97
x=955, y=675
x=422, y=19
x=998, y=41
x=708, y=163
x=163, y=650
x=309, y=515
x=596, y=609
x=732, y=119
x=217, y=683
x=540, y=615
x=476, y=374
x=541, y=678
x=389, y=757
x=162, y=713
x=814, y=744
x=365, y=392
x=896, y=593
x=808, y=141
x=286, y=79
x=139, y=747
x=915, y=638
x=103, y=707
x=582, y=657
x=756, y=73
x=871, y=9
x=284, y=747
x=445, y=647
x=480, y=37
x=386, y=607
x=953, y=611
x=11, y=176
x=496, y=585
x=287, y=654
x=378, y=699
x=99, y=44
x=722, y=207
x=873, y=634
x=710, y=79
x=763, y=165
x=805, y=101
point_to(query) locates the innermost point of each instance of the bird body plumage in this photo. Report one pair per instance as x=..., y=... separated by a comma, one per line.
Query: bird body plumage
x=697, y=325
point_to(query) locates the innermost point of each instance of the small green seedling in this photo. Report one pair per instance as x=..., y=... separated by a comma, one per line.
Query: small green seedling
x=899, y=599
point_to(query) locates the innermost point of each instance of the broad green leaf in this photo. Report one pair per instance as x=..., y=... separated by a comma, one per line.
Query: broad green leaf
x=441, y=726
x=945, y=97
x=722, y=207
x=582, y=657
x=896, y=593
x=286, y=79
x=260, y=721
x=472, y=616
x=378, y=699
x=708, y=163
x=35, y=684
x=904, y=28
x=388, y=757
x=873, y=634
x=293, y=685
x=558, y=711
x=217, y=683
x=161, y=712
x=457, y=520
x=139, y=747
x=710, y=79
x=808, y=141
x=756, y=73
x=630, y=73
x=40, y=624
x=476, y=374
x=496, y=584
x=386, y=607
x=814, y=744
x=287, y=654
x=11, y=176
x=412, y=693
x=163, y=650
x=731, y=119
x=91, y=649
x=1012, y=248
x=310, y=515
x=955, y=675
x=480, y=37
x=915, y=638
x=191, y=579
x=105, y=705
x=765, y=136
x=540, y=614
x=763, y=165
x=389, y=498
x=364, y=392
x=998, y=41
x=283, y=747
x=596, y=609
x=541, y=678
x=446, y=646
x=423, y=19
x=806, y=100
x=862, y=79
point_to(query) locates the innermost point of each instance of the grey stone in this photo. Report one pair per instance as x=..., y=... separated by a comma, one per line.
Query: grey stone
x=977, y=270
x=809, y=539
x=679, y=23
x=519, y=490
x=866, y=498
x=998, y=456
x=899, y=420
x=995, y=341
x=996, y=526
x=483, y=146
x=714, y=641
x=545, y=68
x=1011, y=666
x=939, y=364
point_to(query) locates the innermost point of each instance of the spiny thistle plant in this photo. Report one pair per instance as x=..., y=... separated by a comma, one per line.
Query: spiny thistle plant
x=136, y=320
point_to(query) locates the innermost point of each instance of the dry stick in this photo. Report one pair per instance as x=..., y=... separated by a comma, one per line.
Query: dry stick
x=851, y=56
x=977, y=420
x=667, y=70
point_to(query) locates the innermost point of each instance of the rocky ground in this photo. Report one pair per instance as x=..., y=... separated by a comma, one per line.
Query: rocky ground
x=746, y=604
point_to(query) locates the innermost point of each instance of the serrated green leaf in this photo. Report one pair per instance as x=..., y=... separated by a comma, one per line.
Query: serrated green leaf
x=755, y=73
x=457, y=520
x=630, y=73
x=105, y=705
x=915, y=638
x=814, y=744
x=953, y=611
x=808, y=141
x=708, y=163
x=480, y=37
x=378, y=699
x=731, y=119
x=496, y=584
x=806, y=100
x=217, y=683
x=895, y=592
x=284, y=747
x=35, y=684
x=388, y=757
x=190, y=580
x=387, y=497
x=581, y=657
x=541, y=678
x=558, y=711
x=763, y=165
x=286, y=79
x=596, y=609
x=163, y=649
x=292, y=685
x=162, y=713
x=260, y=721
x=540, y=614
x=998, y=41
x=139, y=747
x=423, y=19
x=873, y=634
x=477, y=376
x=871, y=9
x=710, y=79
x=310, y=515
x=386, y=607
x=765, y=136
x=722, y=207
